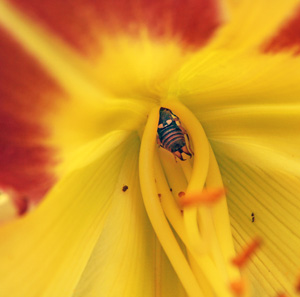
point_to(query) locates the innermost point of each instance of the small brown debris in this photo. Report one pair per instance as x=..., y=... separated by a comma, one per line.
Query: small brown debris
x=125, y=188
x=171, y=189
x=181, y=194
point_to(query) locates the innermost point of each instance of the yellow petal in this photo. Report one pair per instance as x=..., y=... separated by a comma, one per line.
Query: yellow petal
x=250, y=23
x=7, y=208
x=78, y=128
x=273, y=198
x=44, y=253
x=137, y=67
x=218, y=79
x=86, y=110
x=265, y=135
x=61, y=62
x=127, y=259
x=249, y=109
x=127, y=67
x=232, y=67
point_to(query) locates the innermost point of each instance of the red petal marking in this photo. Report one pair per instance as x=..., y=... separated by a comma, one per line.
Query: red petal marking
x=22, y=204
x=288, y=37
x=238, y=287
x=25, y=161
x=281, y=295
x=241, y=259
x=77, y=21
x=205, y=197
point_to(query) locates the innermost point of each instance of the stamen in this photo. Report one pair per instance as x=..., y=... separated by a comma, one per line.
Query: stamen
x=205, y=197
x=241, y=259
x=196, y=178
x=220, y=217
x=215, y=222
x=200, y=275
x=201, y=261
x=168, y=204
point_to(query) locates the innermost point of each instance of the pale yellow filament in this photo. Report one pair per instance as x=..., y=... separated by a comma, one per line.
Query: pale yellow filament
x=221, y=217
x=208, y=231
x=168, y=203
x=196, y=178
x=201, y=277
x=157, y=269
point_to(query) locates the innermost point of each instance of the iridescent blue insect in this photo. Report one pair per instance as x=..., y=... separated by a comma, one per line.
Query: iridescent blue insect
x=171, y=135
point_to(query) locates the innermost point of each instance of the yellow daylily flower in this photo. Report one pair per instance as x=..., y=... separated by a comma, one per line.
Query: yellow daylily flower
x=113, y=215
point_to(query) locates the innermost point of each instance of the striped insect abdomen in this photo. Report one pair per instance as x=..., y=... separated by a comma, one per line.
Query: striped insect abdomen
x=171, y=137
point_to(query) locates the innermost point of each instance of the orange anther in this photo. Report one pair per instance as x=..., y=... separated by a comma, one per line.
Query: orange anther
x=281, y=295
x=205, y=197
x=241, y=259
x=238, y=287
x=297, y=286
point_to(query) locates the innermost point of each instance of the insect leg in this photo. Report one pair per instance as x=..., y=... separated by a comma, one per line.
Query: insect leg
x=186, y=151
x=184, y=131
x=178, y=155
x=158, y=140
x=188, y=138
